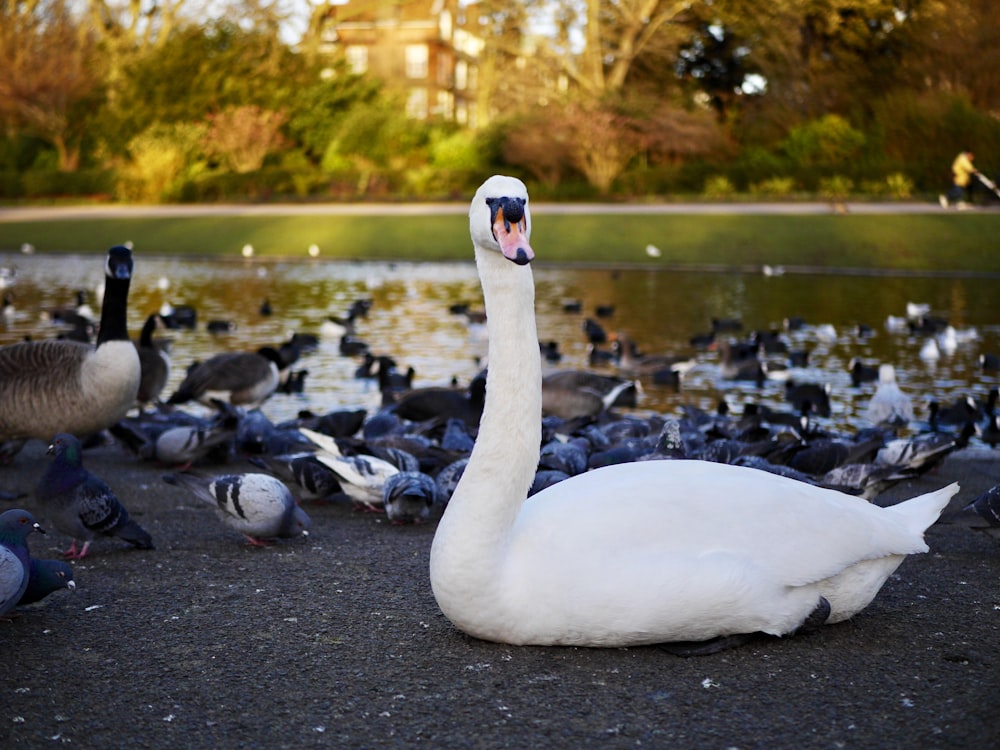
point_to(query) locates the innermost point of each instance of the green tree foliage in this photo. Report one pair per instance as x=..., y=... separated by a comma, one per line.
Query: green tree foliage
x=318, y=112
x=828, y=141
x=159, y=159
x=632, y=95
x=198, y=71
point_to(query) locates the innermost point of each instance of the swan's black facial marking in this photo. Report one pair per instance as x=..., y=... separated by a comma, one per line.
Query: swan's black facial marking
x=509, y=213
x=510, y=209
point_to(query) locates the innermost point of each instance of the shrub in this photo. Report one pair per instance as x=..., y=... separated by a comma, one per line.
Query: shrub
x=10, y=184
x=37, y=183
x=774, y=187
x=898, y=185
x=160, y=158
x=242, y=137
x=836, y=188
x=456, y=151
x=718, y=186
x=828, y=141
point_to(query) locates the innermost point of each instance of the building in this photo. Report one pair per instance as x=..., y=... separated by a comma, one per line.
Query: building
x=428, y=49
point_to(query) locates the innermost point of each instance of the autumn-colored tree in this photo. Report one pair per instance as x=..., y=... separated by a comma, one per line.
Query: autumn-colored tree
x=602, y=141
x=49, y=75
x=533, y=144
x=242, y=137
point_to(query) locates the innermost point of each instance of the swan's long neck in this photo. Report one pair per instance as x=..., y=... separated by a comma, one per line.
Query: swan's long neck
x=471, y=537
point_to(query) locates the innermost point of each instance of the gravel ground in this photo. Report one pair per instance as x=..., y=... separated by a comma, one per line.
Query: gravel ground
x=336, y=641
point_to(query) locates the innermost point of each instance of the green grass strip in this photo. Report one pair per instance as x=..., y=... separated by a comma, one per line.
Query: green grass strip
x=907, y=242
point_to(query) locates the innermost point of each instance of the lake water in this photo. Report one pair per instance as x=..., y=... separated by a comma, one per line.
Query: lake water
x=659, y=309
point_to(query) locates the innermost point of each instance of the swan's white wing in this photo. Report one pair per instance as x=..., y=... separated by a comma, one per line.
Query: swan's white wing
x=796, y=532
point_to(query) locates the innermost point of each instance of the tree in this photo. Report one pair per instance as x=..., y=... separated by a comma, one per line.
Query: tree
x=202, y=70
x=316, y=114
x=957, y=52
x=714, y=61
x=49, y=75
x=241, y=137
x=603, y=142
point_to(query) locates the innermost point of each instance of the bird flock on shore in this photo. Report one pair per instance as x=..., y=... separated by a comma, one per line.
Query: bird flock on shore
x=94, y=384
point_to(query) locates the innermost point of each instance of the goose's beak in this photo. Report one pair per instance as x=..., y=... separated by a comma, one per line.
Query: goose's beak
x=510, y=227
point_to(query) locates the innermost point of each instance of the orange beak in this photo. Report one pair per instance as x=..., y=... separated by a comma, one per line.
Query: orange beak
x=511, y=233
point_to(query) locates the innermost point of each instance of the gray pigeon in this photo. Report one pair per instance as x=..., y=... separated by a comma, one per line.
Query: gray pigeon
x=44, y=577
x=408, y=497
x=185, y=444
x=81, y=504
x=312, y=478
x=258, y=506
x=15, y=525
x=983, y=513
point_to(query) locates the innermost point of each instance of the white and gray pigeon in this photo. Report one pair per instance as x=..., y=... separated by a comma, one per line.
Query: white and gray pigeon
x=183, y=445
x=258, y=506
x=409, y=497
x=81, y=504
x=307, y=475
x=362, y=478
x=15, y=562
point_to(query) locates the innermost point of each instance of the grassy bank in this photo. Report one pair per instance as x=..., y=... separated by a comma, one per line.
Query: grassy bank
x=911, y=242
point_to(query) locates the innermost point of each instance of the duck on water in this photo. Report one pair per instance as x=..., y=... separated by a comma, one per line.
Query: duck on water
x=643, y=553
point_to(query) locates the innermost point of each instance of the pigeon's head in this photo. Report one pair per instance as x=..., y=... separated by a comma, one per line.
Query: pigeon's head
x=16, y=524
x=67, y=448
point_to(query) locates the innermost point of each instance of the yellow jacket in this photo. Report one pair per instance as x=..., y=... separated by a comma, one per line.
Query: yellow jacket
x=962, y=169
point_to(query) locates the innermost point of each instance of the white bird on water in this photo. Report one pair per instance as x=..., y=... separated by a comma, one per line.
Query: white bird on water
x=640, y=553
x=889, y=405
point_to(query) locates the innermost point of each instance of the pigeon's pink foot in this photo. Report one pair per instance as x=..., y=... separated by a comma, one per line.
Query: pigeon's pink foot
x=256, y=542
x=73, y=554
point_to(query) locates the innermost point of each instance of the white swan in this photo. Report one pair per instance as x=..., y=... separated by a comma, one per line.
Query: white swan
x=638, y=553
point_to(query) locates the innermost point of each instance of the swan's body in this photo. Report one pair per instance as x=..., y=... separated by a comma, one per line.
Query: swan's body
x=636, y=553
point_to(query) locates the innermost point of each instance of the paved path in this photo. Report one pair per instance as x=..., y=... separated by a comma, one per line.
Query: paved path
x=336, y=642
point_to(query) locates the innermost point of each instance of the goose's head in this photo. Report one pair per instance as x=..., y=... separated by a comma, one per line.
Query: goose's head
x=119, y=263
x=499, y=218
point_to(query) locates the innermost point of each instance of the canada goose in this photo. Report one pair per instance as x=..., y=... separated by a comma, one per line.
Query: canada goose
x=53, y=386
x=240, y=378
x=154, y=363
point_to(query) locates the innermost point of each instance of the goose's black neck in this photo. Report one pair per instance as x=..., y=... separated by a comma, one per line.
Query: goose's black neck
x=146, y=337
x=114, y=309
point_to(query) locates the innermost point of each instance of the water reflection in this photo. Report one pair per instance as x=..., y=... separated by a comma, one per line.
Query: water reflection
x=409, y=319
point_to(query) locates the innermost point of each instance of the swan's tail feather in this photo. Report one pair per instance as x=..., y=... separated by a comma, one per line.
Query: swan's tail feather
x=920, y=512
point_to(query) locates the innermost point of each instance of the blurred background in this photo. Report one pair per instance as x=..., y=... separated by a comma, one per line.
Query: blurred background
x=201, y=100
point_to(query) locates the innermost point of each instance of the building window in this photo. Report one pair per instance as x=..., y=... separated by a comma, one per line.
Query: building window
x=357, y=58
x=461, y=75
x=416, y=104
x=445, y=105
x=445, y=25
x=416, y=61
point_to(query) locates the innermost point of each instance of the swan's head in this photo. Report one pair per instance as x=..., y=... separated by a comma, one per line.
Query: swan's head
x=499, y=218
